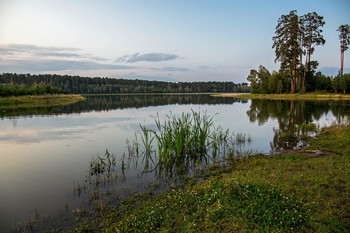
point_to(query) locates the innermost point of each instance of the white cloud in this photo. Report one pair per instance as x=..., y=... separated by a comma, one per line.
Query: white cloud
x=32, y=58
x=171, y=69
x=40, y=65
x=146, y=57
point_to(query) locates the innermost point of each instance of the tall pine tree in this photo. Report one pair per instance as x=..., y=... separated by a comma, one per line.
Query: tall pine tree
x=287, y=46
x=311, y=35
x=344, y=37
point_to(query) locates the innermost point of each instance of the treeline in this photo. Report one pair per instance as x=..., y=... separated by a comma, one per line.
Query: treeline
x=35, y=89
x=264, y=82
x=295, y=41
x=85, y=85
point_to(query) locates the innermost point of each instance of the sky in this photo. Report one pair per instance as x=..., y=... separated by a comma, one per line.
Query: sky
x=164, y=40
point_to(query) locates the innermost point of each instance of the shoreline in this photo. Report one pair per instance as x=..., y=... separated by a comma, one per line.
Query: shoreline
x=38, y=101
x=307, y=96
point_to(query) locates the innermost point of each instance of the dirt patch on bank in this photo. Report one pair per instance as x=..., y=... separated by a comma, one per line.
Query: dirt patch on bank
x=308, y=153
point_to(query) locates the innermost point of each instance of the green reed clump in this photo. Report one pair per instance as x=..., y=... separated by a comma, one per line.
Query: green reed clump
x=180, y=139
x=218, y=207
x=183, y=136
x=182, y=144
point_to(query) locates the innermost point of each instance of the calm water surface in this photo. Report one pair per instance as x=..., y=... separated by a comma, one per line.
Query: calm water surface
x=45, y=152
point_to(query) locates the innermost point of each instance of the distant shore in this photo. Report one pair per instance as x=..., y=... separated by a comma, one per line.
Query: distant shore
x=307, y=96
x=38, y=101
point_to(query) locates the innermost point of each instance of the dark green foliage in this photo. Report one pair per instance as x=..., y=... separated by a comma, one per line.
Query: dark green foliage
x=288, y=47
x=84, y=85
x=311, y=35
x=264, y=82
x=35, y=89
x=295, y=37
x=344, y=37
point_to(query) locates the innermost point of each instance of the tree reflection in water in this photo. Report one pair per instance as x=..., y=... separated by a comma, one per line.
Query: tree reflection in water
x=112, y=102
x=296, y=119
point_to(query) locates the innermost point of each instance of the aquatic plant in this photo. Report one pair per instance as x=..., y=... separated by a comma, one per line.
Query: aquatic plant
x=182, y=144
x=242, y=138
x=183, y=136
x=102, y=164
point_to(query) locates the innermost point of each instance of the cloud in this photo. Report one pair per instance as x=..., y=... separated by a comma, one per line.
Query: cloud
x=204, y=67
x=171, y=69
x=146, y=57
x=98, y=58
x=56, y=54
x=31, y=49
x=33, y=58
x=16, y=50
x=40, y=65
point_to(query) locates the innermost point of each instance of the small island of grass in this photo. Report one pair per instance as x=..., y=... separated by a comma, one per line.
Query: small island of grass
x=13, y=102
x=37, y=95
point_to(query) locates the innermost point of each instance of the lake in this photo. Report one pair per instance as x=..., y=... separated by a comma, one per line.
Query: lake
x=45, y=153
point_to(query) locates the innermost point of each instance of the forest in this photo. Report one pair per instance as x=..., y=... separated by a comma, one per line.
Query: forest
x=295, y=41
x=12, y=84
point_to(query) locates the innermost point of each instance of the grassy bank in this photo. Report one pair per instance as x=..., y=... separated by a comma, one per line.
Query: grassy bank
x=306, y=96
x=299, y=191
x=38, y=101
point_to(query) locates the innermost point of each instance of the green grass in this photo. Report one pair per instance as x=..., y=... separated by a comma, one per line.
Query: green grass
x=295, y=192
x=306, y=96
x=218, y=207
x=37, y=101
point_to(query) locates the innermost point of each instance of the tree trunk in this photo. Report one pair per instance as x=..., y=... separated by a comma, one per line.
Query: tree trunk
x=341, y=72
x=341, y=63
x=292, y=82
x=292, y=86
x=301, y=62
x=304, y=76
